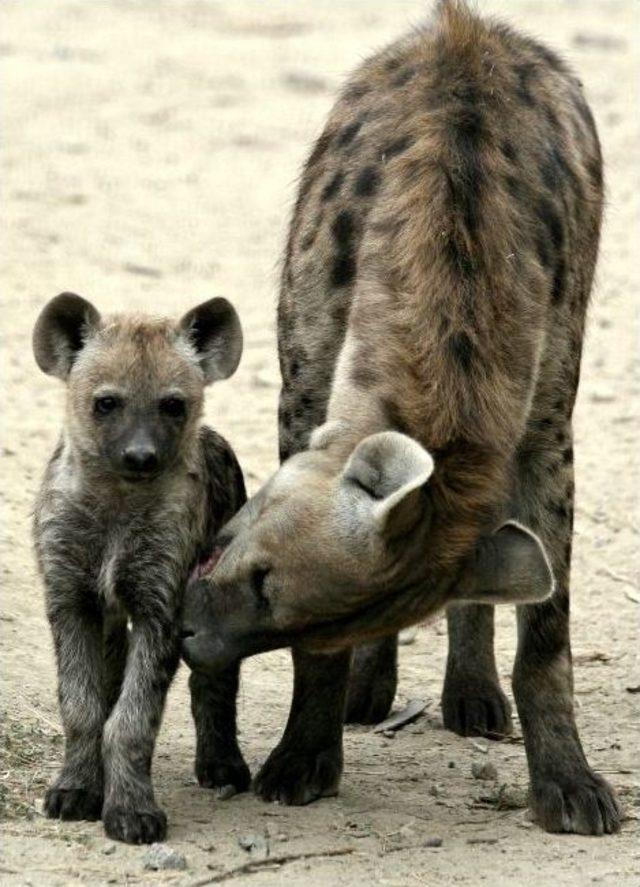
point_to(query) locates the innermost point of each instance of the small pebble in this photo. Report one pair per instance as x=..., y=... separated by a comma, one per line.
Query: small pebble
x=484, y=770
x=254, y=843
x=433, y=842
x=224, y=792
x=109, y=849
x=161, y=857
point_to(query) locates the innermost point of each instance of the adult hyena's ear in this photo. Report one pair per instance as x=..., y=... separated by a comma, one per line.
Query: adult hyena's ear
x=213, y=328
x=61, y=331
x=385, y=480
x=509, y=567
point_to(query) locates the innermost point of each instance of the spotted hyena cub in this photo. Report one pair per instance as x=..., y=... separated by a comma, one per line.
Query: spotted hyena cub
x=130, y=503
x=431, y=318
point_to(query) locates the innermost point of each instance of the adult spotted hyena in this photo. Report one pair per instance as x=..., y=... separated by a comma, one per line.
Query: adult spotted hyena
x=130, y=503
x=431, y=318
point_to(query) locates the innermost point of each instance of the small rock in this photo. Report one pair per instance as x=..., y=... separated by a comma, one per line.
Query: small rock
x=224, y=792
x=512, y=797
x=38, y=806
x=109, y=849
x=408, y=636
x=451, y=765
x=484, y=770
x=255, y=843
x=432, y=842
x=160, y=857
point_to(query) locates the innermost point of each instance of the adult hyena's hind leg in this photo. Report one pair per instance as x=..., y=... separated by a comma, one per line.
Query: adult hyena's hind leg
x=473, y=703
x=566, y=794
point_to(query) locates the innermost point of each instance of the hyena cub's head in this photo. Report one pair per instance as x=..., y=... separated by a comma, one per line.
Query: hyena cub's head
x=135, y=384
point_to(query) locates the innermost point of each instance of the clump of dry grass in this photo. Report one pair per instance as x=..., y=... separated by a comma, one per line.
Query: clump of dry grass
x=27, y=751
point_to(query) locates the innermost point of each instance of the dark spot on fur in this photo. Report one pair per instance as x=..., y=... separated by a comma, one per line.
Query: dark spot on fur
x=463, y=350
x=343, y=228
x=339, y=313
x=549, y=217
x=397, y=146
x=567, y=455
x=392, y=64
x=332, y=187
x=508, y=151
x=459, y=257
x=466, y=176
x=348, y=134
x=544, y=255
x=343, y=270
x=367, y=182
x=557, y=287
x=308, y=240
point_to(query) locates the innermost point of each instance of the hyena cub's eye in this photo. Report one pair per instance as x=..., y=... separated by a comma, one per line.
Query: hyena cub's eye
x=174, y=407
x=102, y=406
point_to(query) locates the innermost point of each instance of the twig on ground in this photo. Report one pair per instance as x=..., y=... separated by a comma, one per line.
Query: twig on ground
x=253, y=865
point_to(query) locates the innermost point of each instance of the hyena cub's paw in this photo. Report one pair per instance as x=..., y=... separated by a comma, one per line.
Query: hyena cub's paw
x=226, y=776
x=583, y=803
x=73, y=803
x=297, y=777
x=472, y=707
x=134, y=826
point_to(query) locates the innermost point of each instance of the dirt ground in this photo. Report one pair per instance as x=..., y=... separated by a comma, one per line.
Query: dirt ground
x=149, y=158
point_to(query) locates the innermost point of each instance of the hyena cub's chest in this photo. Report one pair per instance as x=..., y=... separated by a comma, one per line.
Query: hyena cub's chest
x=118, y=557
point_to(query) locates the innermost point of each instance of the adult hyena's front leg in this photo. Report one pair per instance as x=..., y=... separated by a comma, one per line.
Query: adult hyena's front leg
x=566, y=794
x=307, y=762
x=219, y=761
x=130, y=812
x=77, y=636
x=472, y=700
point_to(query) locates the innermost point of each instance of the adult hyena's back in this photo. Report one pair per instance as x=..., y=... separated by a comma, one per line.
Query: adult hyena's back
x=459, y=175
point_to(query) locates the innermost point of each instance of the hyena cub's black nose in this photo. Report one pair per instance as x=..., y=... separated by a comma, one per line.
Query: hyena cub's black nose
x=140, y=460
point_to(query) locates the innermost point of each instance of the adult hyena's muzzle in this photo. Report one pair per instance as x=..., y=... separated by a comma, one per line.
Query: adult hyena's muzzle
x=216, y=631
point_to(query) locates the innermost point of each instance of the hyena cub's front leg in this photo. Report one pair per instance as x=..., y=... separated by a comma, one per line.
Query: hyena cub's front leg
x=130, y=812
x=77, y=635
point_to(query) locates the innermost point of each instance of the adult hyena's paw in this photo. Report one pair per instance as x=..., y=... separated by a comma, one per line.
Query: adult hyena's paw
x=475, y=708
x=299, y=776
x=226, y=776
x=134, y=826
x=581, y=802
x=73, y=803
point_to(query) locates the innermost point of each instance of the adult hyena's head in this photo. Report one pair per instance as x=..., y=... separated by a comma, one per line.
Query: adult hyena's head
x=135, y=384
x=332, y=552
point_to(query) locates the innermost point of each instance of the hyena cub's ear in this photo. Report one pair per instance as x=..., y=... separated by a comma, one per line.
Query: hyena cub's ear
x=61, y=331
x=385, y=480
x=213, y=328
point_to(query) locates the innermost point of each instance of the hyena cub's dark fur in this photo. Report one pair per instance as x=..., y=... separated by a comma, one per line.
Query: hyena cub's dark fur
x=131, y=500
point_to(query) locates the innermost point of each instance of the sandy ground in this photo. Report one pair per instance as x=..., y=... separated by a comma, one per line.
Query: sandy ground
x=149, y=158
